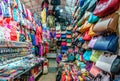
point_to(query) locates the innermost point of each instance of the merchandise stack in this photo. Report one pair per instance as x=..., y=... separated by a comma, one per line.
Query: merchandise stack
x=52, y=31
x=64, y=38
x=95, y=44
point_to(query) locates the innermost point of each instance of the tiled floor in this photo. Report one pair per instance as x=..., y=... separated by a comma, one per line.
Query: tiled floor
x=48, y=77
x=51, y=76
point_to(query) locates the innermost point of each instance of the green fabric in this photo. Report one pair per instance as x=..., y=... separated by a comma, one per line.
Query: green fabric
x=51, y=21
x=95, y=55
x=69, y=40
x=71, y=57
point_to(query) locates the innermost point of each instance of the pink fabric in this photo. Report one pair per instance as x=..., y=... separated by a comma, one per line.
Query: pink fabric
x=31, y=78
x=63, y=43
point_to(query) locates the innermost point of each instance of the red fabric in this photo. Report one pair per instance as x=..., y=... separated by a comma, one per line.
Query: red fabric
x=86, y=37
x=39, y=34
x=46, y=47
x=13, y=34
x=45, y=5
x=63, y=77
x=106, y=7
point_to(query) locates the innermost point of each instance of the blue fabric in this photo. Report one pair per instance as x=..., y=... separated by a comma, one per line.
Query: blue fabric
x=81, y=2
x=81, y=40
x=63, y=51
x=63, y=36
x=15, y=14
x=52, y=35
x=33, y=39
x=93, y=18
x=108, y=43
x=87, y=55
x=69, y=32
x=6, y=13
x=64, y=48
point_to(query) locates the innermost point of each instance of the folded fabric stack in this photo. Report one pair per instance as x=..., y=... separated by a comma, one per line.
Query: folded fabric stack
x=70, y=72
x=64, y=38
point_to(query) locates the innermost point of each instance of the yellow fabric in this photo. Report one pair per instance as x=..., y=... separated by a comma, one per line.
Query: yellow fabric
x=91, y=32
x=80, y=78
x=18, y=35
x=43, y=16
x=85, y=27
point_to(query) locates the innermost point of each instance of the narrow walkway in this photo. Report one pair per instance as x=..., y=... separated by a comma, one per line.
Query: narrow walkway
x=48, y=77
x=51, y=76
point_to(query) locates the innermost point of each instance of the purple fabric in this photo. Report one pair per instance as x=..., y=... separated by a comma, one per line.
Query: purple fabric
x=5, y=1
x=31, y=78
x=88, y=65
x=0, y=9
x=58, y=60
x=79, y=73
x=92, y=42
x=52, y=35
x=41, y=50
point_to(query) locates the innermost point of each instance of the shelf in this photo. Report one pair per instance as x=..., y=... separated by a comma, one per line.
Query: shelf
x=29, y=70
x=38, y=74
x=13, y=46
x=21, y=74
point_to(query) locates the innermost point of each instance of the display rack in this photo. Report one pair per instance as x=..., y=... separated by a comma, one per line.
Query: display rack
x=16, y=59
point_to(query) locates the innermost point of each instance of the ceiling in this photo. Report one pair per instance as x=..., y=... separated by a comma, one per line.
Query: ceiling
x=35, y=5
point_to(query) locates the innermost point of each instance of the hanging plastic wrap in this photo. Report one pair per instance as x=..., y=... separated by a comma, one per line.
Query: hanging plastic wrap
x=19, y=5
x=29, y=14
x=43, y=16
x=15, y=17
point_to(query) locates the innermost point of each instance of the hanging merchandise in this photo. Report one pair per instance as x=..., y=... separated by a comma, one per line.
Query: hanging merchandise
x=106, y=7
x=86, y=37
x=24, y=11
x=91, y=32
x=13, y=34
x=111, y=60
x=107, y=43
x=5, y=10
x=93, y=39
x=33, y=39
x=14, y=4
x=29, y=14
x=87, y=55
x=51, y=21
x=19, y=6
x=1, y=13
x=55, y=2
x=85, y=45
x=95, y=55
x=81, y=2
x=15, y=16
x=85, y=27
x=45, y=4
x=43, y=16
x=92, y=18
x=108, y=23
x=95, y=71
x=92, y=5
